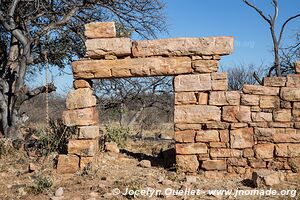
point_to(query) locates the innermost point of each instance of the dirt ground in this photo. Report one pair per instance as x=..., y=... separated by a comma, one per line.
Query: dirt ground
x=113, y=171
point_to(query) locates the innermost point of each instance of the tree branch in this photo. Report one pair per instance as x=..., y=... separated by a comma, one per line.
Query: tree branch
x=284, y=24
x=258, y=11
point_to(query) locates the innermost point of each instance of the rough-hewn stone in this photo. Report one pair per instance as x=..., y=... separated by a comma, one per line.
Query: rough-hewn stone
x=269, y=102
x=224, y=153
x=81, y=83
x=282, y=115
x=80, y=117
x=241, y=138
x=264, y=150
x=196, y=114
x=191, y=148
x=249, y=100
x=274, y=81
x=100, y=30
x=260, y=90
x=297, y=67
x=202, y=98
x=183, y=46
x=214, y=165
x=185, y=98
x=67, y=164
x=80, y=98
x=293, y=80
x=287, y=150
x=219, y=85
x=88, y=132
x=99, y=48
x=236, y=113
x=195, y=82
x=261, y=117
x=224, y=98
x=185, y=136
x=207, y=136
x=290, y=94
x=205, y=66
x=85, y=148
x=187, y=163
x=90, y=69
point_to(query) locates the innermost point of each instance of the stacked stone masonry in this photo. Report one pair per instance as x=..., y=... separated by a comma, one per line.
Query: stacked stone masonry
x=216, y=130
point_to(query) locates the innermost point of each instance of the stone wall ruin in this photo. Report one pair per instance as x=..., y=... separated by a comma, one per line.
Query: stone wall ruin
x=219, y=131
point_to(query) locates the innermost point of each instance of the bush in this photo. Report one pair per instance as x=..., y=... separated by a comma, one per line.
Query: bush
x=117, y=134
x=42, y=184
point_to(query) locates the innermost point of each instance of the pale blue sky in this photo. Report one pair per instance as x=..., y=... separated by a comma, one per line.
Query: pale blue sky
x=200, y=18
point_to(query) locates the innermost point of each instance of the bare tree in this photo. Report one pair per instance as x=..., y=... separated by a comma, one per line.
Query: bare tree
x=33, y=32
x=276, y=38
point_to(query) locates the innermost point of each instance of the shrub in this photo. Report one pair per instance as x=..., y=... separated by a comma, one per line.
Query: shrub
x=42, y=184
x=117, y=134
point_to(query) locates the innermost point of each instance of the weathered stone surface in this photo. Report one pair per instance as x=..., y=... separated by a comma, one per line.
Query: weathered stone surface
x=207, y=136
x=264, y=151
x=290, y=94
x=90, y=69
x=81, y=83
x=249, y=100
x=224, y=135
x=237, y=162
x=185, y=98
x=80, y=117
x=85, y=148
x=219, y=85
x=260, y=90
x=210, y=165
x=282, y=115
x=261, y=117
x=297, y=67
x=183, y=46
x=241, y=138
x=238, y=125
x=287, y=150
x=280, y=124
x=236, y=114
x=187, y=163
x=264, y=177
x=191, y=148
x=88, y=132
x=219, y=76
x=185, y=136
x=87, y=162
x=293, y=80
x=269, y=102
x=100, y=30
x=205, y=66
x=224, y=153
x=192, y=82
x=202, y=157
x=67, y=164
x=80, y=98
x=255, y=109
x=202, y=98
x=248, y=153
x=99, y=48
x=274, y=81
x=224, y=98
x=285, y=104
x=218, y=145
x=216, y=125
x=196, y=114
x=183, y=127
x=112, y=147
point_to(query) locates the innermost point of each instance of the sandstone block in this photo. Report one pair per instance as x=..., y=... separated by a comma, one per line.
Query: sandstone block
x=248, y=153
x=260, y=90
x=263, y=178
x=185, y=136
x=67, y=164
x=218, y=145
x=185, y=98
x=192, y=82
x=285, y=104
x=210, y=165
x=207, y=136
x=257, y=163
x=205, y=66
x=85, y=148
x=112, y=147
x=238, y=125
x=216, y=125
x=219, y=76
x=274, y=81
x=293, y=80
x=236, y=114
x=261, y=117
x=237, y=162
x=99, y=48
x=282, y=115
x=187, y=163
x=219, y=85
x=191, y=148
x=90, y=69
x=80, y=98
x=183, y=127
x=183, y=46
x=88, y=132
x=250, y=100
x=264, y=151
x=287, y=150
x=297, y=67
x=81, y=83
x=202, y=98
x=224, y=153
x=80, y=117
x=224, y=135
x=87, y=162
x=100, y=30
x=269, y=102
x=196, y=114
x=224, y=98
x=290, y=94
x=280, y=124
x=241, y=138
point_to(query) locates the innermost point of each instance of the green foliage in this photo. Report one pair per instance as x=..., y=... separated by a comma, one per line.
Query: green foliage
x=54, y=138
x=42, y=184
x=117, y=134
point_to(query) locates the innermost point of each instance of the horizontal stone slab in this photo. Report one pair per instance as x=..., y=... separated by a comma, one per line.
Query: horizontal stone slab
x=192, y=82
x=80, y=117
x=99, y=48
x=80, y=98
x=100, y=30
x=191, y=148
x=138, y=67
x=261, y=90
x=183, y=46
x=196, y=114
x=290, y=94
x=85, y=148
